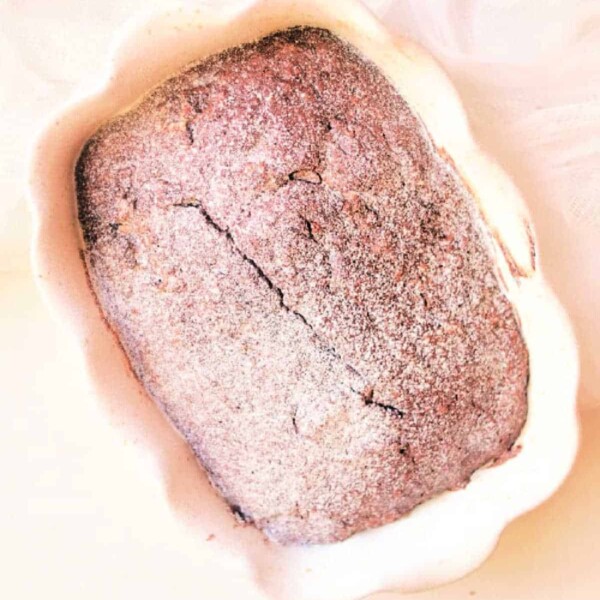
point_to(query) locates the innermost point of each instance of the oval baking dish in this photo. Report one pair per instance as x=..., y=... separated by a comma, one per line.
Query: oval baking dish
x=448, y=535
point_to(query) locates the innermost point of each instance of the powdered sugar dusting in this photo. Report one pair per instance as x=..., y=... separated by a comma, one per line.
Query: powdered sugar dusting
x=304, y=286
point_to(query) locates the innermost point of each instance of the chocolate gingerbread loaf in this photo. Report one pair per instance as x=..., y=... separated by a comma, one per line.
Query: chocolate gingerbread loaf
x=304, y=285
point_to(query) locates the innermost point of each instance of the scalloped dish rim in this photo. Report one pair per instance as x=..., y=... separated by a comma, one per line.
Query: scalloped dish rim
x=447, y=536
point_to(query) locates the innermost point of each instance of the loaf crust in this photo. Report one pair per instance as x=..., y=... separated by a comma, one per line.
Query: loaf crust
x=304, y=285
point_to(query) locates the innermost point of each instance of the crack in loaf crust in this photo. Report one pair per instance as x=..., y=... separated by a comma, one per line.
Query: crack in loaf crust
x=304, y=286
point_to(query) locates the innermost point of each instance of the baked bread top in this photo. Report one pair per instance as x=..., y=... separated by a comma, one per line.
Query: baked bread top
x=304, y=285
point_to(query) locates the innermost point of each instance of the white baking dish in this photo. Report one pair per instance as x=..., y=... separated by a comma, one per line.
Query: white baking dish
x=444, y=538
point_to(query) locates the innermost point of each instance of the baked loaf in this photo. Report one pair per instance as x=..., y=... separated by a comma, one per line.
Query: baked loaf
x=304, y=285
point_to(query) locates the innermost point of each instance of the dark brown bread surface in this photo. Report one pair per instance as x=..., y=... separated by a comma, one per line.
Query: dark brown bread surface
x=304, y=286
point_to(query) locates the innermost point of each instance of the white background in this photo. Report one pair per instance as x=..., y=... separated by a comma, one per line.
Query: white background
x=89, y=519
